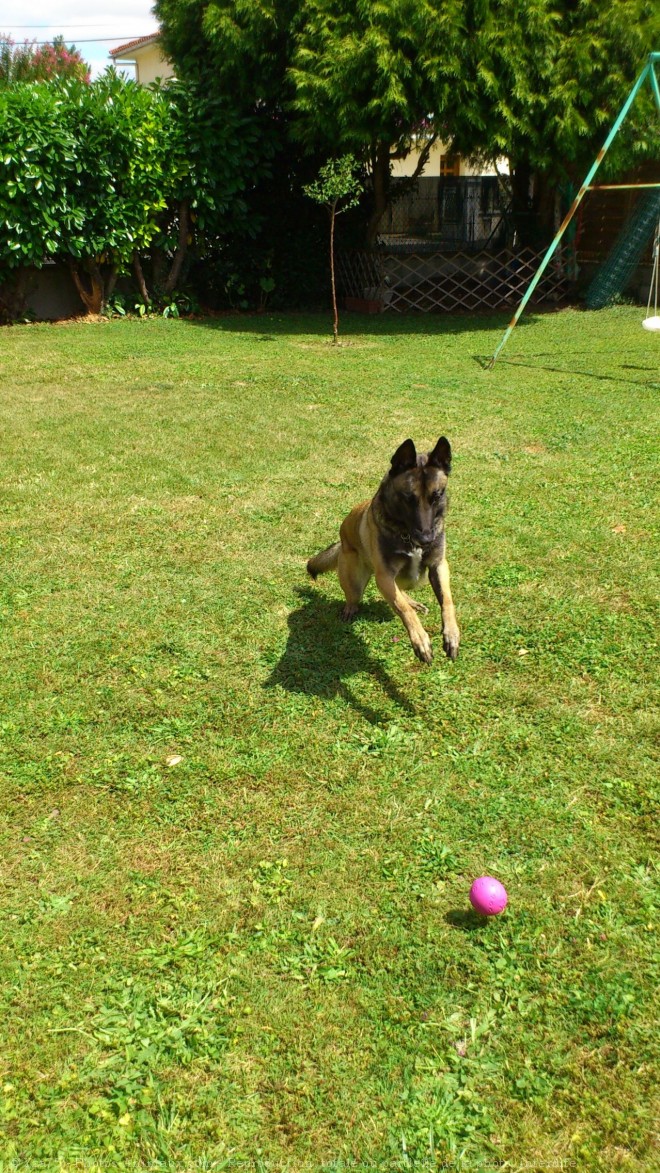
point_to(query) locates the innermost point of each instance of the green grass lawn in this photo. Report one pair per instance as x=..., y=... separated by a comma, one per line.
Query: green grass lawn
x=261, y=957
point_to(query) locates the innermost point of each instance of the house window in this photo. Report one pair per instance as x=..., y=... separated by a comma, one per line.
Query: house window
x=450, y=165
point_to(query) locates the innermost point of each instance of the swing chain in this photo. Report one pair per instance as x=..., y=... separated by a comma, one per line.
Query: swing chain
x=653, y=287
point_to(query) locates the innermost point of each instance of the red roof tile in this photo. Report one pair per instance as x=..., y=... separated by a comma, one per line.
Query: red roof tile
x=137, y=44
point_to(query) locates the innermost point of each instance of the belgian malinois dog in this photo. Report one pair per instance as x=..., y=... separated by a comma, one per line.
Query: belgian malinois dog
x=399, y=538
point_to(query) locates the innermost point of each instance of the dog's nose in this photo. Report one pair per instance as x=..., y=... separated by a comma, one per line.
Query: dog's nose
x=426, y=537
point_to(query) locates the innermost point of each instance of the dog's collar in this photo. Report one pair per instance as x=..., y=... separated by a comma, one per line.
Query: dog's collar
x=408, y=544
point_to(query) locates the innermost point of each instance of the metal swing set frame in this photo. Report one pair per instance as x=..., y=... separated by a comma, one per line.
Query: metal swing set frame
x=647, y=74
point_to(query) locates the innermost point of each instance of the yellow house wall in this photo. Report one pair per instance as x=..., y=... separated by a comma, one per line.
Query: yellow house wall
x=150, y=64
x=406, y=167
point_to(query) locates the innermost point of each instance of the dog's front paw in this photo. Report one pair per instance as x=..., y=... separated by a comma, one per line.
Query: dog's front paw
x=422, y=648
x=349, y=612
x=450, y=640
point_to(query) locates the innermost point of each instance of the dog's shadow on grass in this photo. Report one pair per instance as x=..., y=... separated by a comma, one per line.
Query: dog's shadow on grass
x=322, y=654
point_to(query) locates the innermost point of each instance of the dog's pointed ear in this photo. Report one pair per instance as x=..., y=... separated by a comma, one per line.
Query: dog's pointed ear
x=440, y=457
x=404, y=458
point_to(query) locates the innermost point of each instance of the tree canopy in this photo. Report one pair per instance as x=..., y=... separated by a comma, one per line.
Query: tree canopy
x=31, y=61
x=544, y=81
x=536, y=81
x=545, y=78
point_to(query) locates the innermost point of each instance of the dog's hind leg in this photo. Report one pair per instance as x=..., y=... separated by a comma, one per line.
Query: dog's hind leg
x=354, y=575
x=420, y=607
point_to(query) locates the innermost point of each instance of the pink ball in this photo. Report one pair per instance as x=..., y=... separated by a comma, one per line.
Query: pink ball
x=488, y=896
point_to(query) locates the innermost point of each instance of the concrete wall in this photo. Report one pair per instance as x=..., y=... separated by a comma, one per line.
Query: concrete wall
x=51, y=294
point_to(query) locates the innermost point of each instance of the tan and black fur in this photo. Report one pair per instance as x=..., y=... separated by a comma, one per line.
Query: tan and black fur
x=399, y=538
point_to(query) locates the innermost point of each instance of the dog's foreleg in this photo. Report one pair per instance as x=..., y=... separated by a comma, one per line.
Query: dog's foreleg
x=400, y=603
x=439, y=580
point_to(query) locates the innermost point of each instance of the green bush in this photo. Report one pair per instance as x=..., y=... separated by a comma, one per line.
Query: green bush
x=38, y=174
x=112, y=176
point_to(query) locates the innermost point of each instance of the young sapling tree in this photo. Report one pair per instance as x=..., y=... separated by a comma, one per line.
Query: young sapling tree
x=338, y=188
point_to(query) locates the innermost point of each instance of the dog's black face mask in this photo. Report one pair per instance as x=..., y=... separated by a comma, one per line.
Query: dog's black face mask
x=414, y=496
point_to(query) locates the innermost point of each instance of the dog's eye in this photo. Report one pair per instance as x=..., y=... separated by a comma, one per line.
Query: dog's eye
x=411, y=498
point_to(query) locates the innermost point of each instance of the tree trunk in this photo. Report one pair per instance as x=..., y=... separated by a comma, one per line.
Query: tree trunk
x=139, y=277
x=533, y=205
x=91, y=290
x=158, y=267
x=545, y=191
x=335, y=315
x=381, y=186
x=182, y=246
x=521, y=202
x=110, y=284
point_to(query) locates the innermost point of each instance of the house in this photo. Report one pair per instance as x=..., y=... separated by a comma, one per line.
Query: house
x=441, y=162
x=453, y=202
x=146, y=56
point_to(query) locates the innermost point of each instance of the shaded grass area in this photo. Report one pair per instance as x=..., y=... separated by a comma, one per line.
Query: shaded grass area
x=261, y=956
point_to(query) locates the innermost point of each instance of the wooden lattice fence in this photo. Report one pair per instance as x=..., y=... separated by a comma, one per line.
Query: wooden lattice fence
x=430, y=282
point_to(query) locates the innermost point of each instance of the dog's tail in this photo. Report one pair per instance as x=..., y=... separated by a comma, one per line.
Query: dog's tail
x=326, y=560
